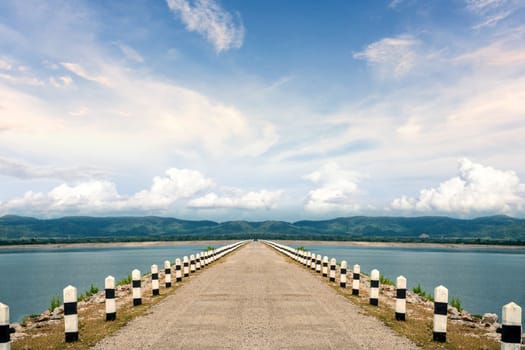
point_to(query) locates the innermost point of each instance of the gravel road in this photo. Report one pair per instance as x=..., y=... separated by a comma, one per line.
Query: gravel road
x=255, y=299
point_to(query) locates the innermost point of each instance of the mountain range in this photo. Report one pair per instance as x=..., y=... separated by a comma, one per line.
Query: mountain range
x=490, y=229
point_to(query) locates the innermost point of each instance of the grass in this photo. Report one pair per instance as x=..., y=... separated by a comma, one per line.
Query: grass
x=54, y=302
x=456, y=302
x=385, y=280
x=422, y=293
x=418, y=325
x=125, y=280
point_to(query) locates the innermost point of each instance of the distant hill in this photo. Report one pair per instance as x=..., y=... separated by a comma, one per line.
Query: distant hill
x=492, y=229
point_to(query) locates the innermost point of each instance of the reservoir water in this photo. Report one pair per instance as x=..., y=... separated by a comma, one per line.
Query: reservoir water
x=484, y=279
x=29, y=277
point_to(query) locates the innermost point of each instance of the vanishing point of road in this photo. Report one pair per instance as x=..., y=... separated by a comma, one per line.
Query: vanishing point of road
x=255, y=299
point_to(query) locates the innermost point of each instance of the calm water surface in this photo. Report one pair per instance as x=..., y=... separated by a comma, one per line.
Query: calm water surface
x=484, y=279
x=29, y=277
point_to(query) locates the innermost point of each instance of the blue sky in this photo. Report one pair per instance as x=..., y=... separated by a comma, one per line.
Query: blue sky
x=260, y=110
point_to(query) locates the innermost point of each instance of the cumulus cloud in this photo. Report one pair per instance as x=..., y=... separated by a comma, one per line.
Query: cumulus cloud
x=181, y=187
x=62, y=81
x=391, y=56
x=336, y=189
x=476, y=188
x=263, y=199
x=208, y=19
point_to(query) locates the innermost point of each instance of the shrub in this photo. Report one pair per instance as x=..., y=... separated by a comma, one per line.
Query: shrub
x=422, y=293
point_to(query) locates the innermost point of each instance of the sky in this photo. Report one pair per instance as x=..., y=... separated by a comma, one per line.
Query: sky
x=262, y=110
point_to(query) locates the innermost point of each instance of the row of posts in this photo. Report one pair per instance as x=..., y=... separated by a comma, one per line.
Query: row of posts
x=511, y=312
x=182, y=268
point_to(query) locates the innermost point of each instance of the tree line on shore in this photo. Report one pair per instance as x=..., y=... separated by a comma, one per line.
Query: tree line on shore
x=432, y=229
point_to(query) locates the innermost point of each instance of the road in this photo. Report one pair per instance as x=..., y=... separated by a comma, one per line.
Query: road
x=255, y=299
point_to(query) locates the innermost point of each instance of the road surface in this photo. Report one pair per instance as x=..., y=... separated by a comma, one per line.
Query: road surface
x=255, y=299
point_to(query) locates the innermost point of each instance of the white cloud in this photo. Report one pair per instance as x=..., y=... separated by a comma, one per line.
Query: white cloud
x=166, y=190
x=130, y=53
x=263, y=199
x=492, y=11
x=81, y=111
x=22, y=80
x=476, y=188
x=81, y=72
x=207, y=18
x=5, y=64
x=336, y=189
x=391, y=56
x=13, y=168
x=177, y=188
x=62, y=81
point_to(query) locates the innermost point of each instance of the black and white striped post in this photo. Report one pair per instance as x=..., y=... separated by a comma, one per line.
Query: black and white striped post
x=155, y=279
x=333, y=264
x=204, y=259
x=5, y=334
x=356, y=279
x=318, y=263
x=401, y=296
x=135, y=284
x=167, y=274
x=192, y=263
x=307, y=259
x=178, y=270
x=325, y=266
x=312, y=262
x=440, y=314
x=70, y=314
x=511, y=327
x=111, y=305
x=374, y=287
x=342, y=278
x=198, y=261
x=186, y=264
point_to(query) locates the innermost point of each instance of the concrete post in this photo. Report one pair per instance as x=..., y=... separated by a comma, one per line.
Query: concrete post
x=137, y=292
x=374, y=287
x=205, y=260
x=198, y=261
x=307, y=259
x=356, y=279
x=111, y=305
x=440, y=314
x=511, y=327
x=325, y=266
x=70, y=314
x=312, y=262
x=178, y=270
x=5, y=334
x=192, y=263
x=333, y=264
x=155, y=279
x=167, y=274
x=318, y=263
x=186, y=264
x=401, y=296
x=342, y=278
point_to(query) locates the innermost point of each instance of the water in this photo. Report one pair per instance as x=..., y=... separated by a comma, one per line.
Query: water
x=29, y=277
x=484, y=279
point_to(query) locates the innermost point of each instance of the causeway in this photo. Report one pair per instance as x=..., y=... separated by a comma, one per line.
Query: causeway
x=255, y=299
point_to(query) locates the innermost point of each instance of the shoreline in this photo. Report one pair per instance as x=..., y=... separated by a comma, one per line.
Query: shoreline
x=401, y=244
x=115, y=244
x=287, y=242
